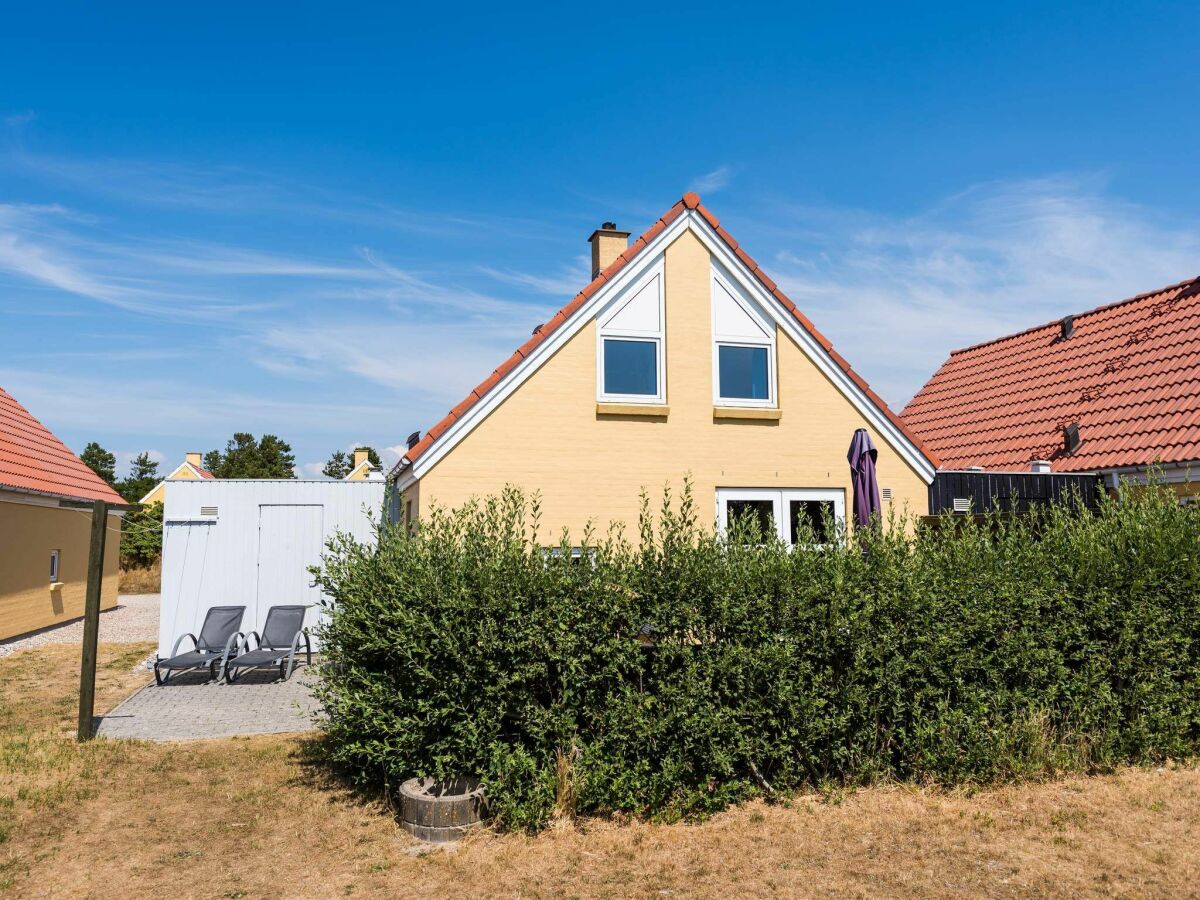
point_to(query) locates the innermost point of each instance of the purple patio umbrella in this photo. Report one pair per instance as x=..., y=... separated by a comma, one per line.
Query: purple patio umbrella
x=862, y=458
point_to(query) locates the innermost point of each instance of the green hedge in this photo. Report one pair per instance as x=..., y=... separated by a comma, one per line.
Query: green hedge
x=996, y=650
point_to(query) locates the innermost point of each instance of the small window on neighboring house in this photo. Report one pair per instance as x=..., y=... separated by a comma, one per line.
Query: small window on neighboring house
x=743, y=347
x=408, y=512
x=630, y=366
x=54, y=555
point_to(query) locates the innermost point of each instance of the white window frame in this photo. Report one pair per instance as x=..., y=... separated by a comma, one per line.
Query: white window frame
x=780, y=498
x=719, y=281
x=658, y=338
x=55, y=564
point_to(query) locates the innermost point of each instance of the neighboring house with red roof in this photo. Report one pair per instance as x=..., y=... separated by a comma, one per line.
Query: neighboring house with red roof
x=188, y=470
x=44, y=546
x=681, y=357
x=1114, y=390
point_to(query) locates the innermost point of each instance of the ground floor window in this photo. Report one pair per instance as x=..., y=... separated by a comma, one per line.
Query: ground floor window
x=783, y=512
x=54, y=556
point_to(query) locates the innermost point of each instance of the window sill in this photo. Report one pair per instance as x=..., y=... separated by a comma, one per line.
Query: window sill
x=747, y=412
x=650, y=410
x=56, y=586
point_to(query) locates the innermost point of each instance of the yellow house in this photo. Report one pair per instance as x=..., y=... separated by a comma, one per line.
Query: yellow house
x=44, y=546
x=363, y=470
x=188, y=470
x=681, y=357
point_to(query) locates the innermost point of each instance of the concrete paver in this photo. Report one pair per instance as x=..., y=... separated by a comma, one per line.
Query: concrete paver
x=191, y=708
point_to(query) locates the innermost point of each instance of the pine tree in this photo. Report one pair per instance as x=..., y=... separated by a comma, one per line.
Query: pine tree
x=245, y=457
x=143, y=476
x=101, y=462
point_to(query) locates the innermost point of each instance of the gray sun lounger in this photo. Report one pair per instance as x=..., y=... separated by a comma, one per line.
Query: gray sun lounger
x=218, y=641
x=278, y=644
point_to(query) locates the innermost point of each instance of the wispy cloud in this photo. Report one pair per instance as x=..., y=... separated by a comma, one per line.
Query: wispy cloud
x=711, y=182
x=897, y=294
x=566, y=282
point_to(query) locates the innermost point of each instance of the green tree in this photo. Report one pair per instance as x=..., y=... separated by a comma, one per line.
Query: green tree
x=143, y=476
x=246, y=457
x=141, y=536
x=101, y=462
x=338, y=466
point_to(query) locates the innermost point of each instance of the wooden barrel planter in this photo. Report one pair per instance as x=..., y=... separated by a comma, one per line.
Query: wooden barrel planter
x=441, y=811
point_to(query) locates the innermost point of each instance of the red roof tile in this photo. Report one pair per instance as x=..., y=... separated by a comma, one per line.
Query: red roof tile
x=689, y=201
x=1129, y=375
x=33, y=459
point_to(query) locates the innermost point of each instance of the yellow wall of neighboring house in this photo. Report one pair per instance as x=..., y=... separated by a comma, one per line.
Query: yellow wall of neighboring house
x=158, y=495
x=550, y=437
x=28, y=534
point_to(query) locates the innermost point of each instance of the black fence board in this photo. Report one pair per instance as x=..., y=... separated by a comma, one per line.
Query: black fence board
x=1012, y=491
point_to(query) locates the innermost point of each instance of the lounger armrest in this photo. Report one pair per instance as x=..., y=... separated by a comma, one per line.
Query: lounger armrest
x=302, y=633
x=231, y=647
x=179, y=640
x=245, y=645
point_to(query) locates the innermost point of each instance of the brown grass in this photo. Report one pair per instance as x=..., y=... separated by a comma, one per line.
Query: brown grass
x=249, y=818
x=141, y=581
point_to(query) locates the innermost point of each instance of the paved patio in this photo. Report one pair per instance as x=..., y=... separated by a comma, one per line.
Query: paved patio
x=191, y=708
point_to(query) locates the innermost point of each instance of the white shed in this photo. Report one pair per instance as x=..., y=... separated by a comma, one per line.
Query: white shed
x=229, y=542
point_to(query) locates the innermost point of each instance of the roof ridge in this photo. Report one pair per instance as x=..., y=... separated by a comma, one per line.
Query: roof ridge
x=689, y=201
x=1099, y=309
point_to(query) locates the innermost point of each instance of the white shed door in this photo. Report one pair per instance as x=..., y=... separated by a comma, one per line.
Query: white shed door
x=290, y=539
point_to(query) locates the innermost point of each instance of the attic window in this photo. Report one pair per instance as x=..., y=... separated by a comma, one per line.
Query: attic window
x=630, y=346
x=743, y=347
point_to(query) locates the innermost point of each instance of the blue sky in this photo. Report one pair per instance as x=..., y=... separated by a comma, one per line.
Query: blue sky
x=329, y=221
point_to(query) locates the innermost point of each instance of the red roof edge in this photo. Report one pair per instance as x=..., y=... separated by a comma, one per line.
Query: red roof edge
x=691, y=201
x=1098, y=309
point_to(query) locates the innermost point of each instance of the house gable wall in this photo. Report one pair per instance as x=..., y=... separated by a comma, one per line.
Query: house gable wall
x=549, y=436
x=28, y=533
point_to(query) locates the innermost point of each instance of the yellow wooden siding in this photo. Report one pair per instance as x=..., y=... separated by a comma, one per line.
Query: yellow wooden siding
x=548, y=436
x=158, y=495
x=28, y=534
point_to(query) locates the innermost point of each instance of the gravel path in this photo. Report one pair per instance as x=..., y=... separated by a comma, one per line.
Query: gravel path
x=135, y=619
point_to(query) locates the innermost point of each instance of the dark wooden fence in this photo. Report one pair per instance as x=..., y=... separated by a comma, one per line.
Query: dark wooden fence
x=1014, y=492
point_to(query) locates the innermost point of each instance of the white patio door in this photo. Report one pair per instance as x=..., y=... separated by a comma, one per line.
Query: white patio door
x=290, y=539
x=782, y=511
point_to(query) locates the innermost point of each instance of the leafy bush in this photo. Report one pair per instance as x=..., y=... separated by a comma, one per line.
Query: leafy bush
x=141, y=537
x=675, y=676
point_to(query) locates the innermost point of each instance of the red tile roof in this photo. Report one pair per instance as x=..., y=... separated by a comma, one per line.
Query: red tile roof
x=33, y=459
x=1129, y=375
x=689, y=201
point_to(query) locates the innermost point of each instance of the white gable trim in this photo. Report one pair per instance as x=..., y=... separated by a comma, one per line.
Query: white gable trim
x=649, y=257
x=813, y=349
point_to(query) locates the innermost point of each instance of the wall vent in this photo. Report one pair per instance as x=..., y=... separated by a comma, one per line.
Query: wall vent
x=208, y=510
x=962, y=504
x=885, y=494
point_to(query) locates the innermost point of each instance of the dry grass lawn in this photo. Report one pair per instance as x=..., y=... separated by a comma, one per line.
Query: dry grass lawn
x=249, y=818
x=146, y=580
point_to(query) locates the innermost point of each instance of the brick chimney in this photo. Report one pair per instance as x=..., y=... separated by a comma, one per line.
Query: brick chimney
x=194, y=459
x=607, y=244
